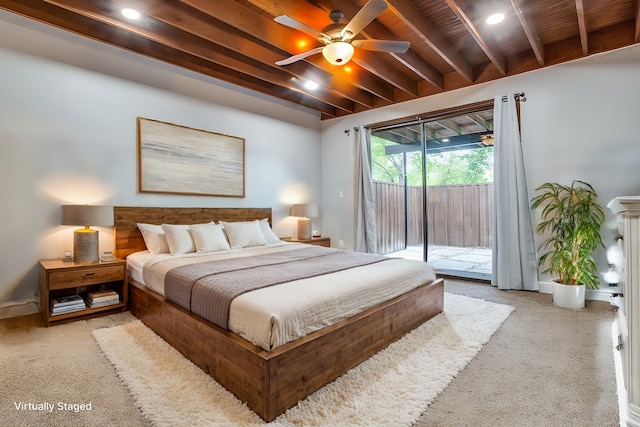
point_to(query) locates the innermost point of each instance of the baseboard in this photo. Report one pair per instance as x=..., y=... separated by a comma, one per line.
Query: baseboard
x=603, y=294
x=18, y=308
x=546, y=287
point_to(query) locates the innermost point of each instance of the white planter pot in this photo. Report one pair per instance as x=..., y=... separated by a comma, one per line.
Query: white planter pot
x=568, y=296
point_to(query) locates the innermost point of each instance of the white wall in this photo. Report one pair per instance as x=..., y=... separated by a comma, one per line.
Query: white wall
x=579, y=122
x=68, y=135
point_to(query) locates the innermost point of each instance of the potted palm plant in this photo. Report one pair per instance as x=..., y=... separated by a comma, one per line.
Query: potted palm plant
x=572, y=219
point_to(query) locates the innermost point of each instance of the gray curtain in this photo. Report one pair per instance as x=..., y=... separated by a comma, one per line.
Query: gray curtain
x=366, y=235
x=514, y=254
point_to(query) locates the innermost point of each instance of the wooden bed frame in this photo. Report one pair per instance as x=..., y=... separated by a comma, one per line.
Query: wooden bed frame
x=269, y=382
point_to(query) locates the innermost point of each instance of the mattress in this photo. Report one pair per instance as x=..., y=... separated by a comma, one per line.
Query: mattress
x=272, y=316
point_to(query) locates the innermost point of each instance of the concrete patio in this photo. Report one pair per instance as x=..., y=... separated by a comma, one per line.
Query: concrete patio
x=454, y=261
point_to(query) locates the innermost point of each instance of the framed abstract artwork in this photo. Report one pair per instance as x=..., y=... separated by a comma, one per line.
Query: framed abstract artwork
x=178, y=159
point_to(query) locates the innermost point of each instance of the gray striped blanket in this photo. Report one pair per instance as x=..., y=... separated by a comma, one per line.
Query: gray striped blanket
x=207, y=288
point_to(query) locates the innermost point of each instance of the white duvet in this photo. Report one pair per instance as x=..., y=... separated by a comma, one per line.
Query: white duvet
x=272, y=316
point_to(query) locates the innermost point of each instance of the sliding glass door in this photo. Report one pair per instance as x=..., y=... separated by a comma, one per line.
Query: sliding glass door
x=452, y=213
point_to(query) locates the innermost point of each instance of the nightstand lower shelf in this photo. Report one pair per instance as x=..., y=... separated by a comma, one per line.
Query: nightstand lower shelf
x=87, y=312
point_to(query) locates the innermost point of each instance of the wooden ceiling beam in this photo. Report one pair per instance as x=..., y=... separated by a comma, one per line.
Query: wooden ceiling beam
x=51, y=15
x=195, y=46
x=281, y=37
x=423, y=69
x=480, y=121
x=359, y=78
x=366, y=60
x=318, y=13
x=582, y=25
x=424, y=28
x=121, y=38
x=450, y=125
x=530, y=29
x=192, y=21
x=397, y=137
x=494, y=56
x=314, y=13
x=187, y=19
x=237, y=41
x=373, y=64
x=375, y=30
x=636, y=38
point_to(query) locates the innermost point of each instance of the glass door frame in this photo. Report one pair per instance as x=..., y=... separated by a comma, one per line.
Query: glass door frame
x=423, y=120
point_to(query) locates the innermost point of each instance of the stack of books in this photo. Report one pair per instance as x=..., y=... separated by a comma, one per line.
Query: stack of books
x=68, y=304
x=102, y=298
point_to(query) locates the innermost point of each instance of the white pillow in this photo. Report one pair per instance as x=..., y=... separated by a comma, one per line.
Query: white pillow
x=268, y=233
x=209, y=237
x=154, y=238
x=244, y=234
x=179, y=238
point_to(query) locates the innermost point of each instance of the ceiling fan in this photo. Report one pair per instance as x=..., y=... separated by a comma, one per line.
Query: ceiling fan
x=337, y=37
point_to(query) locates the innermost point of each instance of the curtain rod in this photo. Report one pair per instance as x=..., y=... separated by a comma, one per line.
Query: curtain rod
x=518, y=97
x=355, y=128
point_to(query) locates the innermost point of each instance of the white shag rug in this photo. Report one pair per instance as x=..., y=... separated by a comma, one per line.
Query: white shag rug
x=392, y=388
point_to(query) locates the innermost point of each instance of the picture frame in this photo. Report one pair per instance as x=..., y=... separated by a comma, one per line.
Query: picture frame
x=178, y=159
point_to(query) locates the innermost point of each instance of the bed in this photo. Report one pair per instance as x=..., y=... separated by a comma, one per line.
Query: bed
x=268, y=381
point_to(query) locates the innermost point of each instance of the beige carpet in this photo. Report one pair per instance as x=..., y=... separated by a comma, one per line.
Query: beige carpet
x=544, y=366
x=391, y=389
x=60, y=364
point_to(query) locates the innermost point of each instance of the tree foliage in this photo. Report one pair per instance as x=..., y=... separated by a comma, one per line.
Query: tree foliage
x=453, y=167
x=460, y=167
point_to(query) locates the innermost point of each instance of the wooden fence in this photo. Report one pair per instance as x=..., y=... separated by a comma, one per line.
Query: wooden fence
x=459, y=215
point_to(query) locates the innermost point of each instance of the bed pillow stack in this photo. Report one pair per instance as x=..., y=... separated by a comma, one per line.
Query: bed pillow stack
x=178, y=239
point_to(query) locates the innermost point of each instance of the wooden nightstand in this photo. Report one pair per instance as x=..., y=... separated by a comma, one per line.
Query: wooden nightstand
x=318, y=241
x=59, y=279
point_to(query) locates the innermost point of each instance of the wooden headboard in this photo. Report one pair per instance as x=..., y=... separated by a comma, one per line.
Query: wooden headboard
x=128, y=238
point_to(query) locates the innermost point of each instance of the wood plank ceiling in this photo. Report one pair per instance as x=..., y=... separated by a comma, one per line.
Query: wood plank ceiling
x=238, y=41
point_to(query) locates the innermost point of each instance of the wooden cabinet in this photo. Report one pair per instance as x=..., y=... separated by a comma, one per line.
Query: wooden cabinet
x=60, y=279
x=319, y=241
x=627, y=210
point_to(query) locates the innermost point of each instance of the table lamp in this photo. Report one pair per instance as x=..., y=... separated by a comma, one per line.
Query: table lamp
x=85, y=240
x=304, y=212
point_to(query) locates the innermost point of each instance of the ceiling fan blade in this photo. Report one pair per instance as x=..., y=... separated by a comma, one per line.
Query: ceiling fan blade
x=364, y=16
x=294, y=58
x=382, y=45
x=295, y=24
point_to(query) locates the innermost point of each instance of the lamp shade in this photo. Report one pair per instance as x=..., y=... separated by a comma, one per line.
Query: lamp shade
x=338, y=53
x=304, y=210
x=85, y=240
x=87, y=215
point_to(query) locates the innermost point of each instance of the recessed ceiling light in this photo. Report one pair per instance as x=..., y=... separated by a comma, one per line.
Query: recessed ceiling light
x=131, y=13
x=445, y=139
x=495, y=18
x=311, y=85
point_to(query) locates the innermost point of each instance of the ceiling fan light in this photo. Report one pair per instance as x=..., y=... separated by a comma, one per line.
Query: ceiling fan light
x=338, y=53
